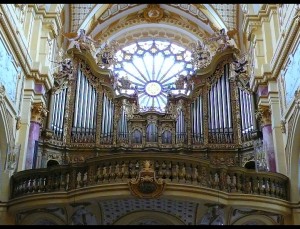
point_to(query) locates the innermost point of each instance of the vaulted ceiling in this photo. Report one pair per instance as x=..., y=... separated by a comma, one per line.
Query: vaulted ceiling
x=185, y=23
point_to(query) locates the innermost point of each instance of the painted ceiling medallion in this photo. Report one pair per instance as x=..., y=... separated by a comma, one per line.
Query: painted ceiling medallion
x=146, y=185
x=153, y=13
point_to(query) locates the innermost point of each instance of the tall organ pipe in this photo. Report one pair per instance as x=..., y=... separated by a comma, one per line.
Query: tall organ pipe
x=84, y=110
x=228, y=96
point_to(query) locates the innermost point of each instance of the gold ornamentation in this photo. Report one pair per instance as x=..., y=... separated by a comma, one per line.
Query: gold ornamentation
x=63, y=77
x=153, y=13
x=138, y=18
x=201, y=56
x=81, y=40
x=223, y=39
x=146, y=185
x=38, y=112
x=263, y=114
x=47, y=134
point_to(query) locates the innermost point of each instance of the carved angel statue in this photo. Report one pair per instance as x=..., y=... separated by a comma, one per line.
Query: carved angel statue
x=201, y=56
x=124, y=82
x=106, y=55
x=81, y=40
x=239, y=72
x=180, y=82
x=63, y=76
x=223, y=38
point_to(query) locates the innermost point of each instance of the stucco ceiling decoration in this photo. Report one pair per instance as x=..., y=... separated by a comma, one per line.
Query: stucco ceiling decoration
x=78, y=13
x=228, y=14
x=153, y=13
x=193, y=10
x=117, y=20
x=113, y=10
x=163, y=33
x=115, y=209
x=136, y=21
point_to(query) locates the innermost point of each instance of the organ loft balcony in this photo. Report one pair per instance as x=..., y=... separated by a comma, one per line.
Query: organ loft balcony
x=194, y=127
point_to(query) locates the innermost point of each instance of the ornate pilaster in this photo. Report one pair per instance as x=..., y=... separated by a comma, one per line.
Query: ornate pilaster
x=264, y=116
x=38, y=113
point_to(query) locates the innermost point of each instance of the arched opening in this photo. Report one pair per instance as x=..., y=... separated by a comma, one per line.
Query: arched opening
x=294, y=150
x=250, y=165
x=52, y=163
x=4, y=141
x=137, y=137
x=148, y=218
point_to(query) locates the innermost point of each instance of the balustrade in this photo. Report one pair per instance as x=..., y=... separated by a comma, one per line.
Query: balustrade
x=180, y=169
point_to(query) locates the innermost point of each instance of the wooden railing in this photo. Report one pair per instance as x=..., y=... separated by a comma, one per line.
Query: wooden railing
x=119, y=168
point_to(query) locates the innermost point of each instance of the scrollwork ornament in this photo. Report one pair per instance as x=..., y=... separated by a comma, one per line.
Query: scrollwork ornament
x=146, y=185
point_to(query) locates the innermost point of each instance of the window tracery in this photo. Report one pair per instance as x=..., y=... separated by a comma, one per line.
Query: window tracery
x=153, y=69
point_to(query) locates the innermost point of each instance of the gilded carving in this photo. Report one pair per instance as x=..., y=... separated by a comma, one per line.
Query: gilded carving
x=223, y=38
x=263, y=114
x=38, y=112
x=81, y=41
x=138, y=18
x=146, y=185
x=153, y=13
x=63, y=77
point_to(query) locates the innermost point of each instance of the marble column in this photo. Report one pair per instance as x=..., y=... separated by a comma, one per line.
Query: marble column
x=38, y=112
x=264, y=115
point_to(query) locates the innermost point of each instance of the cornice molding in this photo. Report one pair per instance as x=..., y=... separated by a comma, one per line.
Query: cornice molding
x=281, y=52
x=17, y=45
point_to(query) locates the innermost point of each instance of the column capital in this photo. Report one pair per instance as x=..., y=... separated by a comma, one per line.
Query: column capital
x=38, y=112
x=263, y=114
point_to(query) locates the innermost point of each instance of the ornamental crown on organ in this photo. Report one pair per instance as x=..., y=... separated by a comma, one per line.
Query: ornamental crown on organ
x=152, y=93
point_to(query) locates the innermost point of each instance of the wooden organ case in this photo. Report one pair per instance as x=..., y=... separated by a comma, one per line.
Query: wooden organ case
x=87, y=119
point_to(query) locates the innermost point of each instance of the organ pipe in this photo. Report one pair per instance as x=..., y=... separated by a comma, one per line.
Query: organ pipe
x=246, y=111
x=85, y=107
x=219, y=110
x=196, y=119
x=58, y=111
x=228, y=96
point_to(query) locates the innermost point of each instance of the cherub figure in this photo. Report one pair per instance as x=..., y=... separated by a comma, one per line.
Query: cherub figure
x=223, y=38
x=125, y=82
x=239, y=73
x=64, y=75
x=81, y=40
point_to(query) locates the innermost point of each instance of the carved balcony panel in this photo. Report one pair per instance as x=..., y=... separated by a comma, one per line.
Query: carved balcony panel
x=172, y=168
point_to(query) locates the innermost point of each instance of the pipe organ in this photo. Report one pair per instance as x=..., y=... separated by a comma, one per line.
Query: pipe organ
x=57, y=119
x=151, y=133
x=85, y=109
x=181, y=136
x=106, y=136
x=197, y=121
x=246, y=111
x=220, y=128
x=123, y=126
x=216, y=115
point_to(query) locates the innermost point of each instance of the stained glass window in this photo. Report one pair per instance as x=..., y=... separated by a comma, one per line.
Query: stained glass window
x=152, y=67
